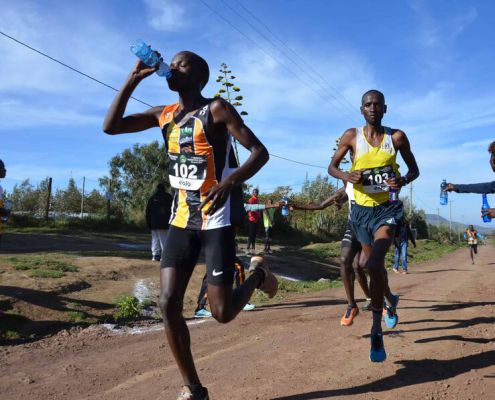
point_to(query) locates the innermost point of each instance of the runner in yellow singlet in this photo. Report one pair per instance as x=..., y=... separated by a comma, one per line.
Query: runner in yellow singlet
x=202, y=170
x=374, y=218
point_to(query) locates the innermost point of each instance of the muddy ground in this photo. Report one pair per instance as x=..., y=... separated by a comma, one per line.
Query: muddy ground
x=443, y=348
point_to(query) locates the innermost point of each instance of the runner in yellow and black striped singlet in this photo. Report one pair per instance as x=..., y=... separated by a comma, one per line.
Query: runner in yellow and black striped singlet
x=206, y=178
x=374, y=173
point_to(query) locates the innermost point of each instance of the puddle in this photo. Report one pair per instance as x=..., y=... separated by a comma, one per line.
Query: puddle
x=146, y=290
x=140, y=330
x=133, y=246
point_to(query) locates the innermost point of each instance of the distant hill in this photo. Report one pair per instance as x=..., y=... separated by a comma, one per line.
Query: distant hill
x=431, y=219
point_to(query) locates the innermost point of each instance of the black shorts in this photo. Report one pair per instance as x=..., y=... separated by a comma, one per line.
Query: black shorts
x=349, y=239
x=366, y=220
x=183, y=247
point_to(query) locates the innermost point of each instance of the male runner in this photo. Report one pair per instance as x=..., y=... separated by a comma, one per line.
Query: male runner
x=352, y=259
x=481, y=188
x=472, y=239
x=197, y=133
x=374, y=149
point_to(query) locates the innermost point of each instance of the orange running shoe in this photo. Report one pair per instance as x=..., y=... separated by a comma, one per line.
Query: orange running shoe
x=349, y=315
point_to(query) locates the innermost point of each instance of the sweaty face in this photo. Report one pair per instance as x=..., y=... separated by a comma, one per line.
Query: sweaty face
x=373, y=108
x=184, y=74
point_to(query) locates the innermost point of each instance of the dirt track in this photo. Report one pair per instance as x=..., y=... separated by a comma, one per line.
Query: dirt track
x=443, y=348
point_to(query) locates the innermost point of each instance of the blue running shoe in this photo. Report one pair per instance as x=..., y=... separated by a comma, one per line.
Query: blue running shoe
x=377, y=351
x=202, y=313
x=391, y=317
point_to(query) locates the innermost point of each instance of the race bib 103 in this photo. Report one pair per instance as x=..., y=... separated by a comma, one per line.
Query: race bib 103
x=374, y=179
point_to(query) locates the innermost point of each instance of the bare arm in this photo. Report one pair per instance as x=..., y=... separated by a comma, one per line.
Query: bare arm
x=115, y=122
x=402, y=145
x=346, y=144
x=336, y=198
x=225, y=114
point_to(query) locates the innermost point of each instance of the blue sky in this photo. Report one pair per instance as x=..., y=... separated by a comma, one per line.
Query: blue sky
x=433, y=61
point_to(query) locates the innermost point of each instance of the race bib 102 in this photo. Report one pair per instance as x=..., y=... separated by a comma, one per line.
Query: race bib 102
x=187, y=171
x=374, y=179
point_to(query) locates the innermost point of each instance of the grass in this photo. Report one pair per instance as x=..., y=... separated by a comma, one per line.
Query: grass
x=427, y=250
x=76, y=316
x=288, y=288
x=42, y=265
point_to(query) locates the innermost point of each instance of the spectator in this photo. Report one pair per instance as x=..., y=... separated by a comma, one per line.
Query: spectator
x=481, y=188
x=253, y=218
x=268, y=215
x=4, y=212
x=158, y=212
x=401, y=241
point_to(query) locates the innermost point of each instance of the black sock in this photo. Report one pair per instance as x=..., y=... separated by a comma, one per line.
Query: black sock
x=377, y=320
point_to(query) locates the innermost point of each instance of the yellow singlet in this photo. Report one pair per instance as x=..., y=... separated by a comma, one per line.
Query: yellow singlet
x=377, y=164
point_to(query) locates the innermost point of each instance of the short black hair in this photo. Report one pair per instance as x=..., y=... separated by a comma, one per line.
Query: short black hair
x=202, y=66
x=491, y=148
x=2, y=165
x=373, y=91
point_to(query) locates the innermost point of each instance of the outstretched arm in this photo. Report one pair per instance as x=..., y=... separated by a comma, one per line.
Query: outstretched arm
x=480, y=188
x=115, y=122
x=338, y=198
x=225, y=114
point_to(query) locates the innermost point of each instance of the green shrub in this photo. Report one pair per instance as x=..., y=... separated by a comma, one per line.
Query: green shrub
x=129, y=307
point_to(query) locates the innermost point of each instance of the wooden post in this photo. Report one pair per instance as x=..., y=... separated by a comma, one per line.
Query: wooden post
x=82, y=197
x=48, y=198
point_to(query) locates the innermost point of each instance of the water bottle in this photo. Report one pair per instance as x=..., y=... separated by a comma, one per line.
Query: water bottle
x=393, y=194
x=484, y=206
x=150, y=58
x=285, y=209
x=444, y=196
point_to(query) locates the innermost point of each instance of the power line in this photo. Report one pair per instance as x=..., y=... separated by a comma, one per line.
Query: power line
x=68, y=66
x=111, y=87
x=297, y=162
x=346, y=102
x=263, y=50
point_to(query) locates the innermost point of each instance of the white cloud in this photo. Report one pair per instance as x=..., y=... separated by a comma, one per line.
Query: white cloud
x=166, y=15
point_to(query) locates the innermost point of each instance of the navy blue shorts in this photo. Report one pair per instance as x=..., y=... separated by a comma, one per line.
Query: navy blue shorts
x=183, y=247
x=366, y=220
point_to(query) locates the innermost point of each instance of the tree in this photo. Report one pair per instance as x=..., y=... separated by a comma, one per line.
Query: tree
x=133, y=177
x=26, y=197
x=228, y=93
x=68, y=200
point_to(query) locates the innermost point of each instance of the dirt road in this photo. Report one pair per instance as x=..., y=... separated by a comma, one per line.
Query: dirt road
x=443, y=348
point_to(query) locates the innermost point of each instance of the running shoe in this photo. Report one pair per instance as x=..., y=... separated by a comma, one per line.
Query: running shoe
x=367, y=305
x=396, y=270
x=404, y=272
x=202, y=313
x=156, y=258
x=270, y=283
x=249, y=307
x=391, y=318
x=186, y=394
x=349, y=315
x=377, y=350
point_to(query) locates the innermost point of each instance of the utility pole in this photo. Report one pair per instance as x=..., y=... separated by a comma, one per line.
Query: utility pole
x=450, y=218
x=109, y=198
x=82, y=197
x=410, y=199
x=48, y=198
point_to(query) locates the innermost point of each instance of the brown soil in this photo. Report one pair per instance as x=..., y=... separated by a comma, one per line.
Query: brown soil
x=443, y=347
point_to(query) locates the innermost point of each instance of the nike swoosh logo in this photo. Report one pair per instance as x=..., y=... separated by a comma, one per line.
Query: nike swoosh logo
x=215, y=273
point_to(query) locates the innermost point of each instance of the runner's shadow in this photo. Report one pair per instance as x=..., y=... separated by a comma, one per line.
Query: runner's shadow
x=457, y=324
x=455, y=337
x=441, y=270
x=452, y=306
x=412, y=372
x=309, y=303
